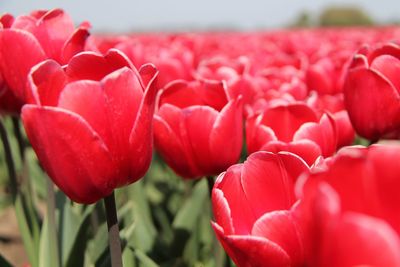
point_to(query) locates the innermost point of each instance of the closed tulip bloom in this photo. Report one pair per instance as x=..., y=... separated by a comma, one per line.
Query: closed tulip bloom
x=29, y=39
x=292, y=127
x=371, y=92
x=197, y=130
x=90, y=122
x=350, y=209
x=254, y=205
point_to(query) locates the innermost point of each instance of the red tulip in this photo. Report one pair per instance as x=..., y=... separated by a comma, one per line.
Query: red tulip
x=90, y=122
x=254, y=207
x=197, y=131
x=372, y=92
x=335, y=105
x=173, y=60
x=350, y=209
x=30, y=39
x=294, y=128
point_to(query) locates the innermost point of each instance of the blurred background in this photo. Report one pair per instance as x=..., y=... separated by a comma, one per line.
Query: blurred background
x=178, y=15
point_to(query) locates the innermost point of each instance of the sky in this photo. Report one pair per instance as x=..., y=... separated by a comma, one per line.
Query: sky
x=125, y=15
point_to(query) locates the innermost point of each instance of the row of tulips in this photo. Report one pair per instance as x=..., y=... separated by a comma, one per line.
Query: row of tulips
x=91, y=106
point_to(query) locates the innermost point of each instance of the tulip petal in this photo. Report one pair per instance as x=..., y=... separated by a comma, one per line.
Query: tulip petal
x=389, y=67
x=199, y=135
x=226, y=137
x=249, y=251
x=19, y=51
x=87, y=99
x=168, y=144
x=123, y=95
x=221, y=211
x=323, y=133
x=181, y=94
x=75, y=44
x=93, y=66
x=369, y=96
x=140, y=139
x=242, y=215
x=387, y=182
x=70, y=151
x=46, y=81
x=286, y=120
x=356, y=240
x=257, y=135
x=280, y=227
x=52, y=31
x=268, y=183
x=308, y=150
x=345, y=130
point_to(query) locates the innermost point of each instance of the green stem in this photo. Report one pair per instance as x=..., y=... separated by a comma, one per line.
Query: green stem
x=9, y=161
x=113, y=231
x=18, y=136
x=53, y=234
x=210, y=183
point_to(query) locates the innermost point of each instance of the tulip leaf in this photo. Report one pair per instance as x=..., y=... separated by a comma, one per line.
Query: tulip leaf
x=30, y=244
x=128, y=258
x=144, y=233
x=99, y=244
x=188, y=216
x=47, y=255
x=143, y=260
x=74, y=236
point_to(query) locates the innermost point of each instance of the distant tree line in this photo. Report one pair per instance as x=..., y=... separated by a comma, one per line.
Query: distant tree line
x=336, y=16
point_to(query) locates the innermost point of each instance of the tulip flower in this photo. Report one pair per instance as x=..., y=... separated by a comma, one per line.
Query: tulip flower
x=350, y=209
x=197, y=130
x=90, y=122
x=29, y=39
x=335, y=105
x=292, y=127
x=254, y=205
x=371, y=92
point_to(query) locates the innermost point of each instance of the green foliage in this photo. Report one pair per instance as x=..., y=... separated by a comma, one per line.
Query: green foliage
x=164, y=221
x=344, y=16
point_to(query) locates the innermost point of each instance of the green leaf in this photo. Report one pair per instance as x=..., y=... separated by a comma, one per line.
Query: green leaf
x=187, y=219
x=30, y=244
x=144, y=260
x=128, y=258
x=74, y=236
x=47, y=253
x=99, y=245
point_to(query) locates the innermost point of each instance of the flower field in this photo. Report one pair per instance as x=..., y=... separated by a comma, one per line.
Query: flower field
x=249, y=149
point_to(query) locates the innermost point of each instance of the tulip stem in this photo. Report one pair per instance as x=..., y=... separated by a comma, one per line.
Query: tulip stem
x=210, y=182
x=18, y=135
x=52, y=230
x=9, y=160
x=113, y=231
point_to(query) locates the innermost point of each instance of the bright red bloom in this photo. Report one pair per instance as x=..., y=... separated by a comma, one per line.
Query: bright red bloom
x=372, y=92
x=254, y=207
x=197, y=131
x=350, y=209
x=90, y=122
x=294, y=128
x=173, y=60
x=335, y=105
x=29, y=39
